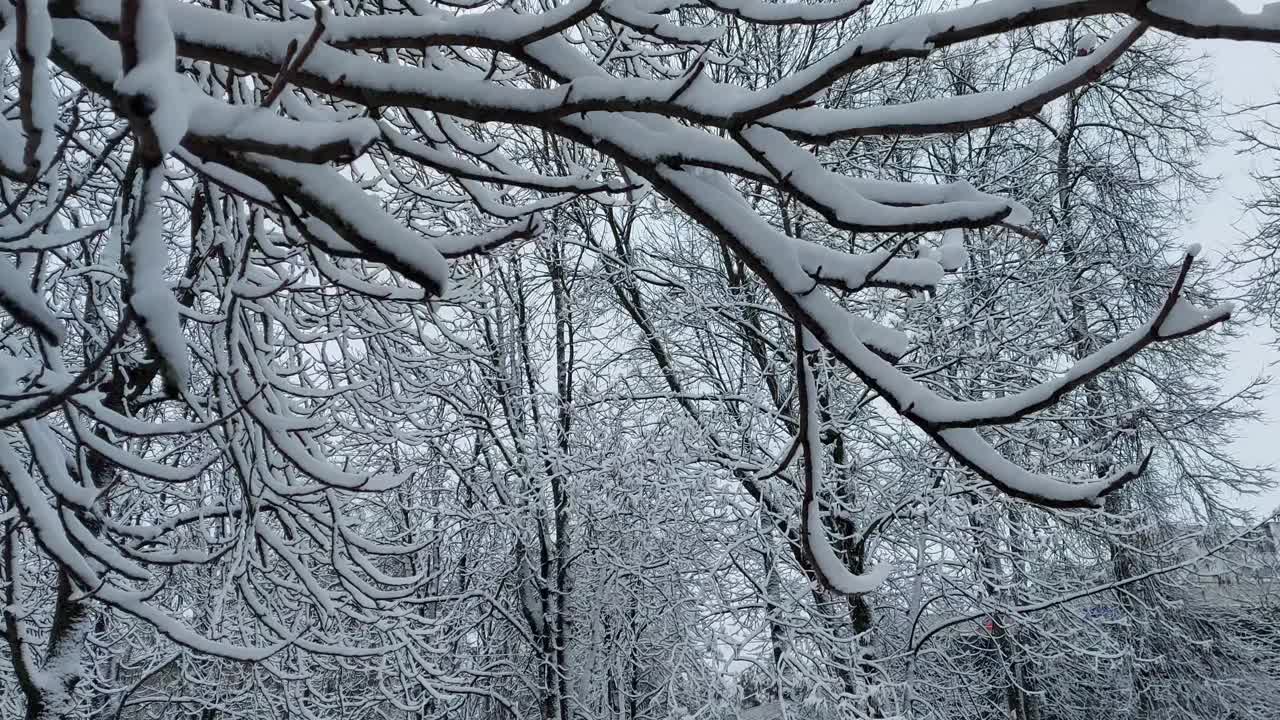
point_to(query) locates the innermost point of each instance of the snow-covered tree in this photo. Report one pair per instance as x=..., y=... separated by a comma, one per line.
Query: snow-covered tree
x=298, y=301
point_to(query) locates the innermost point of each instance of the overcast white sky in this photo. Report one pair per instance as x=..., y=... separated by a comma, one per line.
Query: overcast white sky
x=1246, y=73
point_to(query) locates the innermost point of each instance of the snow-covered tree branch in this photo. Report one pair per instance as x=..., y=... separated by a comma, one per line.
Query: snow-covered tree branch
x=276, y=275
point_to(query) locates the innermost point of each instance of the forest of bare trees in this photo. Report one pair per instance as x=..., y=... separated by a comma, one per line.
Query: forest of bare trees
x=629, y=360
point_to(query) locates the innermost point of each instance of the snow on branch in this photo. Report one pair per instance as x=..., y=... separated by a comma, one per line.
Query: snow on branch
x=788, y=13
x=35, y=95
x=950, y=423
x=955, y=114
x=157, y=113
x=1176, y=318
x=1212, y=19
x=149, y=295
x=831, y=571
x=284, y=195
x=799, y=173
x=25, y=305
x=653, y=127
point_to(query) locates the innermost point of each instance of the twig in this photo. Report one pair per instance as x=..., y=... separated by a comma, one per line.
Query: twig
x=291, y=68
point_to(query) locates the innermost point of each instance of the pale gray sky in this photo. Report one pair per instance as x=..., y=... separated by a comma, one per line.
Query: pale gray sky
x=1246, y=74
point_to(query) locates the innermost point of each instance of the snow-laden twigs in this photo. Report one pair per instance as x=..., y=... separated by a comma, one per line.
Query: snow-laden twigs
x=1027, y=610
x=359, y=240
x=295, y=57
